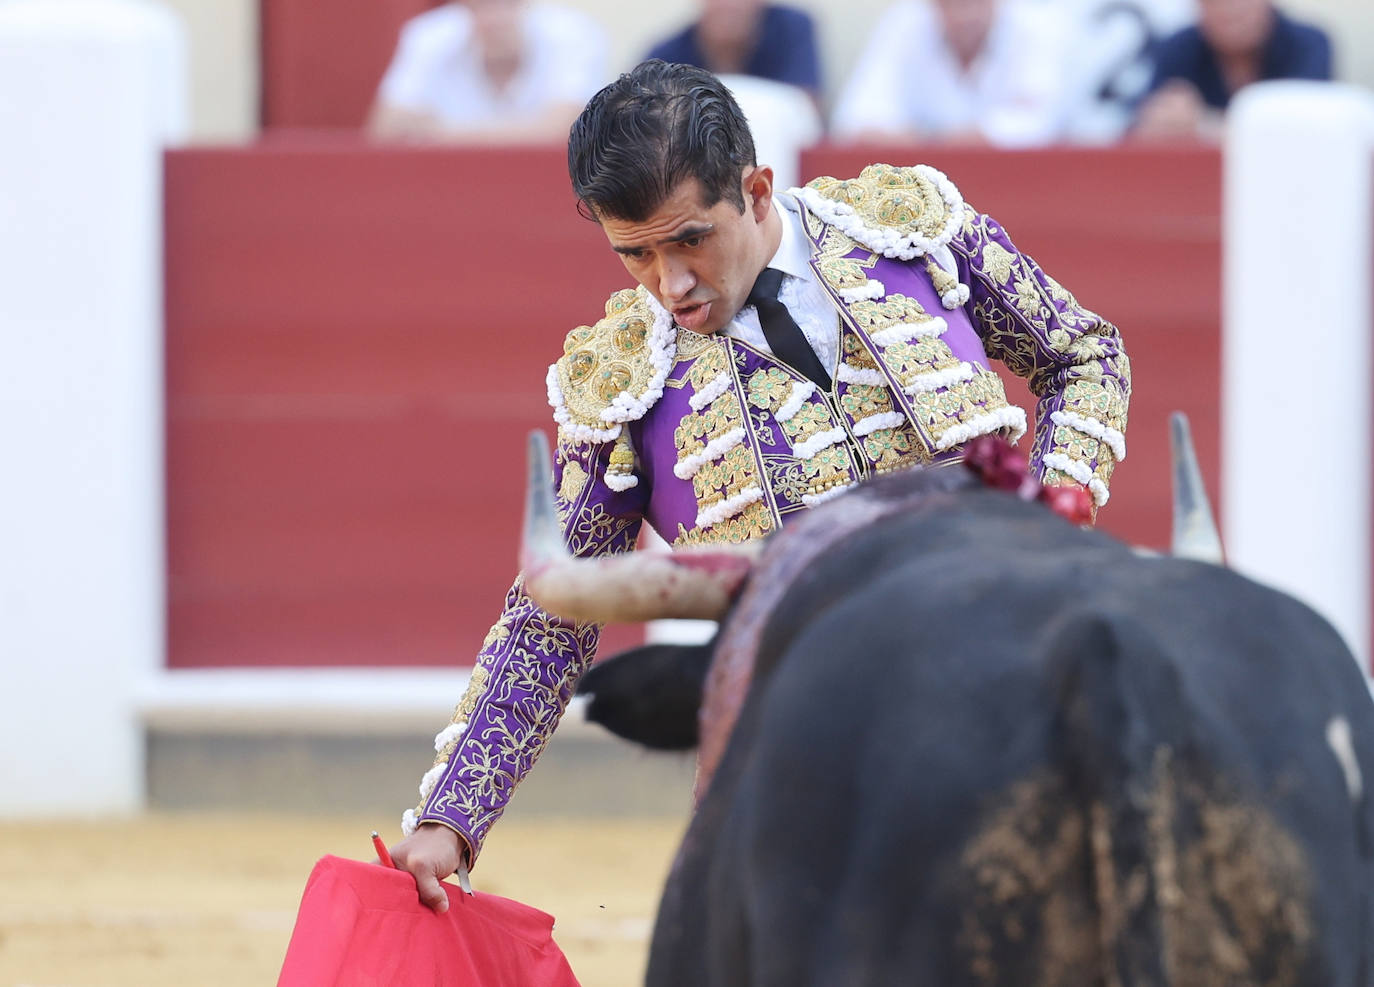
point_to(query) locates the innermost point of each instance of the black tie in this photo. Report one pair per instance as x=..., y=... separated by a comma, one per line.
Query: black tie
x=784, y=336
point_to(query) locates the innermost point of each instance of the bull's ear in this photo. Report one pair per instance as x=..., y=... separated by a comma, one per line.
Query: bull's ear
x=650, y=695
x=1195, y=533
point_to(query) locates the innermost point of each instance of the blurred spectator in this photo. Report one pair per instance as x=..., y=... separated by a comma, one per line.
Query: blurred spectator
x=749, y=37
x=980, y=70
x=1234, y=43
x=784, y=120
x=490, y=70
x=1113, y=59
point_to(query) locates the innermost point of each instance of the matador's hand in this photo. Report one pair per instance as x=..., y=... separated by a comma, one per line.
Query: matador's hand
x=430, y=854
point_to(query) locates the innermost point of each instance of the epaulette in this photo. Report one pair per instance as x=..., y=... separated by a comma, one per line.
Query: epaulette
x=612, y=372
x=898, y=212
x=901, y=213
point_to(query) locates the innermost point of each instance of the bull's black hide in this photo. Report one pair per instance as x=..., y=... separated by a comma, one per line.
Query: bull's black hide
x=649, y=694
x=984, y=747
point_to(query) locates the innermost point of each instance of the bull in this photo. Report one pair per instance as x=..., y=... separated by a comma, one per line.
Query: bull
x=948, y=738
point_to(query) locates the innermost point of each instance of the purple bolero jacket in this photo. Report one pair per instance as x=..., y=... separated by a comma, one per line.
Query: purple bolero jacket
x=709, y=439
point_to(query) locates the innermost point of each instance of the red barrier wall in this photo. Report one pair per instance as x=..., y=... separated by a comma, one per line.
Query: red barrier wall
x=357, y=339
x=356, y=345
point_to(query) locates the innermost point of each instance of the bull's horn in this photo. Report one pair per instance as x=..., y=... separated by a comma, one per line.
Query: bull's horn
x=1195, y=533
x=689, y=583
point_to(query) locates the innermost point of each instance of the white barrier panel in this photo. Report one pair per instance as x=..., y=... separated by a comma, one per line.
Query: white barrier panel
x=93, y=90
x=783, y=120
x=1299, y=220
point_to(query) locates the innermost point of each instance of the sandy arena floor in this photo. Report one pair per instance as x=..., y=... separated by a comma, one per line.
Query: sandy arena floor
x=208, y=901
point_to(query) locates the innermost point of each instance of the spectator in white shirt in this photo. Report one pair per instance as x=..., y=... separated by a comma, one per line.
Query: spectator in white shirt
x=490, y=70
x=988, y=71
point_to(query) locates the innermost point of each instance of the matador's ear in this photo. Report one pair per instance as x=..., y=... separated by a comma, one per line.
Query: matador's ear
x=758, y=191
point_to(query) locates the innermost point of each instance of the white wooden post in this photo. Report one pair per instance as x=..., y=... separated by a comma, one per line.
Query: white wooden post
x=1298, y=256
x=93, y=91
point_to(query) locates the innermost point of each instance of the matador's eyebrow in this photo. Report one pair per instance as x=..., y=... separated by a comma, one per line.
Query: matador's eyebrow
x=687, y=233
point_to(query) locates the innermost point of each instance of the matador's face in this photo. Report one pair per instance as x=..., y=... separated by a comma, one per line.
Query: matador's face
x=1236, y=27
x=700, y=261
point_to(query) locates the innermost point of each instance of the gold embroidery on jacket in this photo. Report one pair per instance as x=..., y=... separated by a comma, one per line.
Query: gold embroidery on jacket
x=771, y=388
x=477, y=684
x=856, y=354
x=827, y=469
x=573, y=483
x=936, y=411
x=842, y=272
x=594, y=531
x=889, y=449
x=754, y=521
x=690, y=344
x=1025, y=310
x=951, y=407
x=911, y=358
x=788, y=479
x=520, y=695
x=872, y=316
x=861, y=400
x=729, y=473
x=499, y=631
x=889, y=196
x=601, y=361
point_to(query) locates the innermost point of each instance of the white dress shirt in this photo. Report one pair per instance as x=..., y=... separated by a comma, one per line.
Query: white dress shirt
x=801, y=293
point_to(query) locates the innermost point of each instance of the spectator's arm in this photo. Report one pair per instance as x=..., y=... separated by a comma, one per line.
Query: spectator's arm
x=1171, y=58
x=1176, y=110
x=1172, y=107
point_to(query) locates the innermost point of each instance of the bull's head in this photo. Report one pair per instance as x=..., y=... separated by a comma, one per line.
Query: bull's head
x=704, y=583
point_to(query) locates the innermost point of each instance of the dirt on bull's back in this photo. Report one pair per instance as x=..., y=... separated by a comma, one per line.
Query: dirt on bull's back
x=211, y=900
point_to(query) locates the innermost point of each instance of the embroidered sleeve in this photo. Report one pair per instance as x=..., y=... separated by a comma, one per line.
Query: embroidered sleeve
x=1072, y=358
x=530, y=662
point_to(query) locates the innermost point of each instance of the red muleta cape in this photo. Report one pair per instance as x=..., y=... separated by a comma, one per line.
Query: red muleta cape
x=361, y=925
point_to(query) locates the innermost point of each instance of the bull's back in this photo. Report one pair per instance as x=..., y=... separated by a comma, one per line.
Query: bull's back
x=1011, y=752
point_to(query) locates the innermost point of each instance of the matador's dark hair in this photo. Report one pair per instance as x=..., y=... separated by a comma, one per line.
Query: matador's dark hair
x=651, y=129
